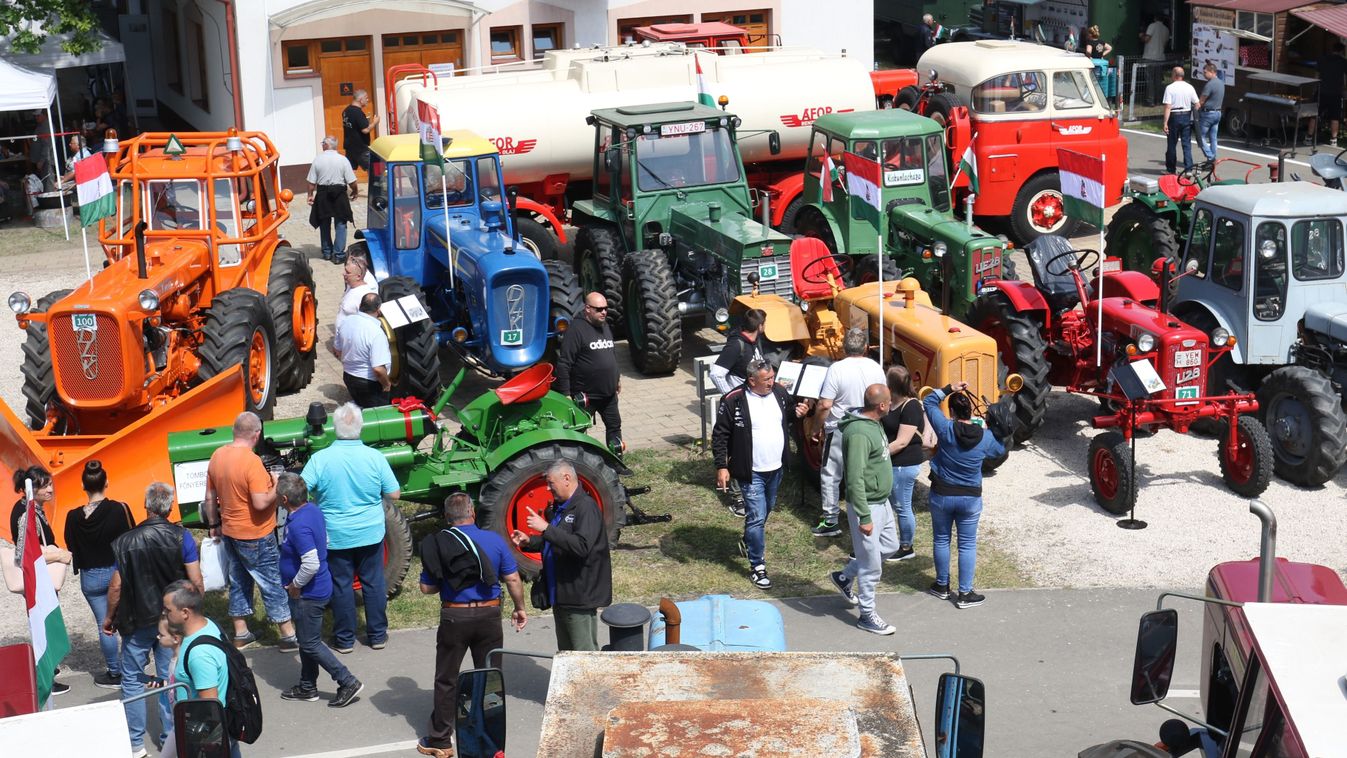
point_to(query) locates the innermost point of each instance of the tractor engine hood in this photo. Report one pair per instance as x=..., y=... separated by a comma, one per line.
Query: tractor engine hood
x=736, y=241
x=1180, y=353
x=930, y=225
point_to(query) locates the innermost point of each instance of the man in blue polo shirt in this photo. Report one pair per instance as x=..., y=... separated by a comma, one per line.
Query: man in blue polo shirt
x=306, y=578
x=350, y=483
x=465, y=565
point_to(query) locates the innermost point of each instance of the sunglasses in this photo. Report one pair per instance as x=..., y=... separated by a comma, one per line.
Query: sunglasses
x=599, y=308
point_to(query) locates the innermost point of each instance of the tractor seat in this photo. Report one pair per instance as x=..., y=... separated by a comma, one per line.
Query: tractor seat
x=1058, y=289
x=803, y=252
x=1327, y=166
x=1176, y=191
x=526, y=386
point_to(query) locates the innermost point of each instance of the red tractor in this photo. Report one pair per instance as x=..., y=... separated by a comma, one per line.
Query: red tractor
x=1147, y=368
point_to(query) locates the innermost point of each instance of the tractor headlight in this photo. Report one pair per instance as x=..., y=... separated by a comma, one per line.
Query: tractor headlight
x=19, y=302
x=149, y=300
x=1146, y=343
x=1267, y=250
x=1220, y=337
x=459, y=334
x=562, y=324
x=722, y=315
x=940, y=249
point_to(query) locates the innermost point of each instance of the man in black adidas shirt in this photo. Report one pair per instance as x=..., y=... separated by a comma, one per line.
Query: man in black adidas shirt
x=587, y=368
x=731, y=366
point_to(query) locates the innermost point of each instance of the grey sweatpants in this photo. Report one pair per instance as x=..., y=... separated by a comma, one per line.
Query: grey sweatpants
x=830, y=476
x=868, y=564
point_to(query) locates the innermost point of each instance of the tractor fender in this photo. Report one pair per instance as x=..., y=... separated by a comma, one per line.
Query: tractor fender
x=833, y=226
x=1131, y=284
x=1023, y=296
x=782, y=193
x=1186, y=312
x=543, y=438
x=378, y=256
x=785, y=321
x=549, y=217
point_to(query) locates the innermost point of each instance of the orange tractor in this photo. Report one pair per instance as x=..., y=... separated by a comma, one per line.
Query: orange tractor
x=201, y=311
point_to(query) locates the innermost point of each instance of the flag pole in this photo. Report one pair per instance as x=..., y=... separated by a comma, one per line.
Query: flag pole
x=448, y=237
x=1099, y=340
x=879, y=253
x=88, y=268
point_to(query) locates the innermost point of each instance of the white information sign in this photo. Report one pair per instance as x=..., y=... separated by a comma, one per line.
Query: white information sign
x=190, y=481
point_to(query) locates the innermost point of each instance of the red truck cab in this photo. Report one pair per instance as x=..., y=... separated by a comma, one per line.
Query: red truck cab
x=724, y=39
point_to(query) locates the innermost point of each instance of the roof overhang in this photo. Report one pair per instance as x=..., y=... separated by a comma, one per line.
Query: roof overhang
x=321, y=10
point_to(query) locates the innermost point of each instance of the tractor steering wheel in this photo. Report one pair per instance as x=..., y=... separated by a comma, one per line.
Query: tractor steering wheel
x=844, y=265
x=1339, y=158
x=1200, y=174
x=1083, y=260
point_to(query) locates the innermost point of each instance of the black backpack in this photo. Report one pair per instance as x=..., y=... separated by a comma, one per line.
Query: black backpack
x=243, y=706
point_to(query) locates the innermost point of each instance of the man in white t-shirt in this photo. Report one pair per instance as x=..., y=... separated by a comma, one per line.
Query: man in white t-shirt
x=362, y=347
x=1180, y=104
x=843, y=391
x=1156, y=43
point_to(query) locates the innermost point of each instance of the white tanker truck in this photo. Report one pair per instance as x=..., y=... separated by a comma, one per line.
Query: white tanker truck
x=537, y=117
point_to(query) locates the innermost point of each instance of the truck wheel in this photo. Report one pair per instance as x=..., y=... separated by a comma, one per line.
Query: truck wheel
x=536, y=238
x=1139, y=236
x=809, y=453
x=1236, y=122
x=907, y=99
x=598, y=263
x=39, y=377
x=940, y=106
x=866, y=270
x=1247, y=470
x=397, y=548
x=239, y=331
x=1305, y=421
x=294, y=312
x=518, y=485
x=1111, y=478
x=1021, y=349
x=654, y=327
x=792, y=213
x=1038, y=210
x=416, y=352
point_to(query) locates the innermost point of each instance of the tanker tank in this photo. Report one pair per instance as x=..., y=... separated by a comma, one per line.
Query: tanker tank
x=536, y=117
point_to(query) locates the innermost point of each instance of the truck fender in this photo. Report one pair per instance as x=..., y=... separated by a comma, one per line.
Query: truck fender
x=1193, y=310
x=543, y=438
x=888, y=83
x=958, y=135
x=549, y=217
x=782, y=193
x=1023, y=297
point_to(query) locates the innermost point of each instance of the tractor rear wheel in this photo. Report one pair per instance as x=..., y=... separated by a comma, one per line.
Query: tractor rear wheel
x=1039, y=210
x=1305, y=421
x=1139, y=236
x=397, y=548
x=519, y=485
x=654, y=326
x=1021, y=349
x=866, y=270
x=416, y=353
x=566, y=299
x=1111, y=474
x=294, y=312
x=907, y=99
x=598, y=263
x=39, y=376
x=239, y=331
x=1247, y=470
x=536, y=238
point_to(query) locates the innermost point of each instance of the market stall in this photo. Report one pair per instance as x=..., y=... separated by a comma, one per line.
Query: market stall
x=25, y=90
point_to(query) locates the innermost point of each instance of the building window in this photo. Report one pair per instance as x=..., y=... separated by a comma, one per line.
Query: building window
x=172, y=50
x=298, y=59
x=546, y=37
x=626, y=27
x=505, y=44
x=201, y=83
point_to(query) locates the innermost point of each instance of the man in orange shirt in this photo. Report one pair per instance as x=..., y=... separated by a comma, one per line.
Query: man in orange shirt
x=241, y=505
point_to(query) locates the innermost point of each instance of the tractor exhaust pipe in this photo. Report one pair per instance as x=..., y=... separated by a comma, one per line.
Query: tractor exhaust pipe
x=1267, y=549
x=766, y=215
x=673, y=621
x=140, y=251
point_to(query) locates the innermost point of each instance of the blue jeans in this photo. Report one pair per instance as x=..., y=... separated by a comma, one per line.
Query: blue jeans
x=947, y=511
x=308, y=616
x=904, y=479
x=136, y=648
x=345, y=565
x=1180, y=128
x=256, y=563
x=330, y=247
x=759, y=497
x=1207, y=124
x=94, y=585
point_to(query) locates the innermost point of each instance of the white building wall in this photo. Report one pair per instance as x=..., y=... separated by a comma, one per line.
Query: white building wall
x=832, y=26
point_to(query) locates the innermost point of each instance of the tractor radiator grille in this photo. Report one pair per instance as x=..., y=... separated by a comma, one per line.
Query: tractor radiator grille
x=89, y=363
x=779, y=284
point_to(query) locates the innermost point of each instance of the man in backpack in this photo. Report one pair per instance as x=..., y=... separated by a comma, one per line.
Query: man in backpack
x=203, y=668
x=465, y=566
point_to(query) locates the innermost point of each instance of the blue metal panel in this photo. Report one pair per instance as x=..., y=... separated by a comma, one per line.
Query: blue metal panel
x=722, y=623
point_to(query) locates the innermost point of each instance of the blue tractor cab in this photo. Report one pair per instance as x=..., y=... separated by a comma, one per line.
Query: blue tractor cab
x=490, y=299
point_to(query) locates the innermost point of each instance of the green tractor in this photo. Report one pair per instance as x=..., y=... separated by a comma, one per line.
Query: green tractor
x=950, y=257
x=503, y=445
x=669, y=233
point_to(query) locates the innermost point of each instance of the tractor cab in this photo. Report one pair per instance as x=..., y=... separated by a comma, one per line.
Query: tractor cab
x=719, y=37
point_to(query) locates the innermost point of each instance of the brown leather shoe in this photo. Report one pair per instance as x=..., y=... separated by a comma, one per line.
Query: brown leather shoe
x=433, y=752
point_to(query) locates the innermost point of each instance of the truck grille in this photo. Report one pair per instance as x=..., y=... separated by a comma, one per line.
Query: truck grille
x=89, y=364
x=782, y=283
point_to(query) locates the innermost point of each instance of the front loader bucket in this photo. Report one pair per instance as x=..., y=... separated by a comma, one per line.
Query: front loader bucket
x=133, y=457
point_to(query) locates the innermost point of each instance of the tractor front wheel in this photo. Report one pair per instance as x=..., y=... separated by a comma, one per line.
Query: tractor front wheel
x=1111, y=474
x=1139, y=236
x=1305, y=421
x=294, y=312
x=520, y=485
x=1247, y=469
x=1039, y=210
x=654, y=326
x=536, y=238
x=39, y=377
x=1021, y=348
x=867, y=270
x=239, y=331
x=598, y=264
x=415, y=351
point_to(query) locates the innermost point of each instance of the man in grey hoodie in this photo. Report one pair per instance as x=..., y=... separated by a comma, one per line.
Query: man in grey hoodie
x=869, y=480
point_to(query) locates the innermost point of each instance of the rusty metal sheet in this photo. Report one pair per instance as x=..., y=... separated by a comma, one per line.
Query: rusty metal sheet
x=585, y=687
x=775, y=728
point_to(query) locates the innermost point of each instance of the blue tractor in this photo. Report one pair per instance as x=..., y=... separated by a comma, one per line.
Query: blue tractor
x=492, y=301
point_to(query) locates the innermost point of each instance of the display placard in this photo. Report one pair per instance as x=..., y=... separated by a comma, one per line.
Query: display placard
x=1216, y=45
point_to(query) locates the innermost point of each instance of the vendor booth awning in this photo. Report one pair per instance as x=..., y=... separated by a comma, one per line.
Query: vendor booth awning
x=50, y=55
x=24, y=90
x=1332, y=19
x=1257, y=6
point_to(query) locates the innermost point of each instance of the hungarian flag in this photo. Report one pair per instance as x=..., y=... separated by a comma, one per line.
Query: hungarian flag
x=50, y=641
x=94, y=188
x=825, y=177
x=703, y=93
x=863, y=182
x=968, y=164
x=1082, y=186
x=428, y=124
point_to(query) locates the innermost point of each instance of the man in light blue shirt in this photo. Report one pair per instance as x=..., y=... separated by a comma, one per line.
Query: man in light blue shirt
x=350, y=483
x=362, y=347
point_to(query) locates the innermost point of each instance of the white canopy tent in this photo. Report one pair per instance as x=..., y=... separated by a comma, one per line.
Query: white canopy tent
x=25, y=90
x=52, y=56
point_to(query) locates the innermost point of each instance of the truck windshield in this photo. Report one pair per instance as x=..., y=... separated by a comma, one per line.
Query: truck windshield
x=453, y=184
x=1019, y=92
x=903, y=163
x=174, y=204
x=685, y=160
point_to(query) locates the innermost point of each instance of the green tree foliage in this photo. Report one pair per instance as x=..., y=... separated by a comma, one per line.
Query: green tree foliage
x=73, y=17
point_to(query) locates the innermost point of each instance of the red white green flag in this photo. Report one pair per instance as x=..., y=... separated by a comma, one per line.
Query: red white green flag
x=428, y=124
x=1082, y=186
x=94, y=189
x=863, y=183
x=50, y=641
x=703, y=93
x=825, y=177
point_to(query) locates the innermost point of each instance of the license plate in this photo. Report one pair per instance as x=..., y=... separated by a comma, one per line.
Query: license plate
x=688, y=127
x=768, y=272
x=84, y=322
x=1187, y=358
x=511, y=337
x=1186, y=393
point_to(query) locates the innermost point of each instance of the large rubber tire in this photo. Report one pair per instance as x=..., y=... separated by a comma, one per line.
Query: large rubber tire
x=536, y=238
x=1040, y=198
x=416, y=353
x=291, y=298
x=940, y=106
x=239, y=331
x=792, y=213
x=397, y=548
x=1009, y=269
x=1021, y=349
x=1305, y=421
x=565, y=299
x=1248, y=470
x=653, y=324
x=907, y=98
x=1111, y=480
x=519, y=484
x=1236, y=122
x=39, y=376
x=598, y=264
x=866, y=270
x=1139, y=236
